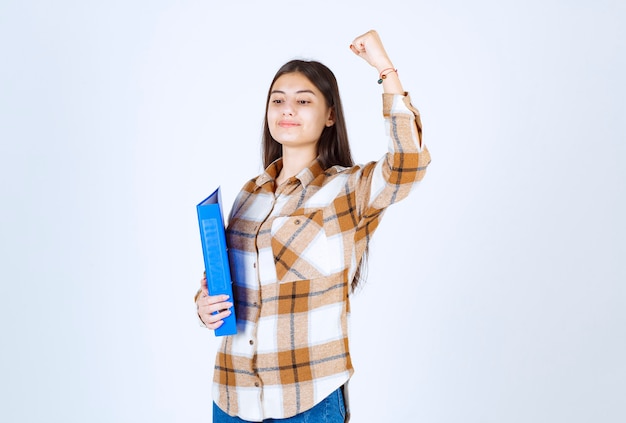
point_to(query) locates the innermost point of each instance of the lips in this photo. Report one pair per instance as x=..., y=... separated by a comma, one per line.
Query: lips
x=287, y=124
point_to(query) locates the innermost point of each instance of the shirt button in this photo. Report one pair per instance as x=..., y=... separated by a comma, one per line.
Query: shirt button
x=256, y=384
x=254, y=265
x=297, y=221
x=251, y=342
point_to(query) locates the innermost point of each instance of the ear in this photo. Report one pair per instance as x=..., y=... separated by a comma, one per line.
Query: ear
x=331, y=117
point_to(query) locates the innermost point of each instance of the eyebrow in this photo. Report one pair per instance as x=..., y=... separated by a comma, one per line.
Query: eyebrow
x=297, y=92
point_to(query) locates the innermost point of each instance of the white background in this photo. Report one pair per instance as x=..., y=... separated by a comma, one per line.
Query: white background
x=496, y=293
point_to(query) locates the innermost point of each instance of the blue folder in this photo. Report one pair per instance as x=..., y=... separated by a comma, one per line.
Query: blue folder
x=215, y=252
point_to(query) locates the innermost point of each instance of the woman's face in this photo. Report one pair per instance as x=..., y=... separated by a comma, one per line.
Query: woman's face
x=297, y=112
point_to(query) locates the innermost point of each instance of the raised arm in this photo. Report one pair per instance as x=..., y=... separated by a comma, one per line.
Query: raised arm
x=391, y=178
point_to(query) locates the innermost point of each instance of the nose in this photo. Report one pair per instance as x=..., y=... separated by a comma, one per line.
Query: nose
x=287, y=109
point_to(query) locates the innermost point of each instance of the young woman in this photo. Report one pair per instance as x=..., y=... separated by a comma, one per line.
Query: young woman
x=297, y=235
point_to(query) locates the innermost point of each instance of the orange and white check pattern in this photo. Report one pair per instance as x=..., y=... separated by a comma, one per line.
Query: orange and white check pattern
x=294, y=251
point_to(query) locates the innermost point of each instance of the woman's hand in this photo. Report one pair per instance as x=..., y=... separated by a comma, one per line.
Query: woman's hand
x=207, y=305
x=370, y=48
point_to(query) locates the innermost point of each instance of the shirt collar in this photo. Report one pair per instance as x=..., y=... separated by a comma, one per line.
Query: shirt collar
x=270, y=173
x=305, y=176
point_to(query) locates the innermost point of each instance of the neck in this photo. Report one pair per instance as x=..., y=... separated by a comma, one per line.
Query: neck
x=293, y=162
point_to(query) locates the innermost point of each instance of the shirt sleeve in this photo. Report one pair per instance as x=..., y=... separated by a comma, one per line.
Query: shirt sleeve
x=403, y=166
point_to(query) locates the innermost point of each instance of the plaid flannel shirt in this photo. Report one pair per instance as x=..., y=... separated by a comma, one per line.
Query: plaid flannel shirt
x=293, y=251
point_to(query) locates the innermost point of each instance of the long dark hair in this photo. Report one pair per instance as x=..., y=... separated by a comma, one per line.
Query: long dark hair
x=333, y=147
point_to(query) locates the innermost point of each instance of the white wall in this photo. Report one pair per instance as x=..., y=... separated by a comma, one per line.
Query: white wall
x=495, y=293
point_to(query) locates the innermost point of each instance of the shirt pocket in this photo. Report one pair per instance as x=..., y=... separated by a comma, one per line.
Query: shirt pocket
x=300, y=247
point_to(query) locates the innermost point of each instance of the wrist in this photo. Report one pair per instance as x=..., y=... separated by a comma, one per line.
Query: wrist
x=385, y=73
x=380, y=67
x=391, y=83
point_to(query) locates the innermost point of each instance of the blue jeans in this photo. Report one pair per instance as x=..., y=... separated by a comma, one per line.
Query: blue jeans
x=331, y=410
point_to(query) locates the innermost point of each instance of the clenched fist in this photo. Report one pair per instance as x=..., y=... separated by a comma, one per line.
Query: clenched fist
x=370, y=48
